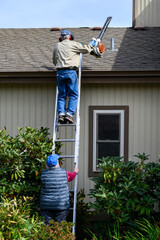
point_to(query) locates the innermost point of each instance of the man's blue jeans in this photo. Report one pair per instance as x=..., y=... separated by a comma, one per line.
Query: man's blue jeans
x=67, y=86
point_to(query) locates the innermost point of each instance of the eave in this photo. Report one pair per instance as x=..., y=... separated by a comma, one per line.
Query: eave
x=150, y=76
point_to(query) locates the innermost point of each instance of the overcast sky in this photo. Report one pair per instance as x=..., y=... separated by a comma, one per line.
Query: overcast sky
x=64, y=13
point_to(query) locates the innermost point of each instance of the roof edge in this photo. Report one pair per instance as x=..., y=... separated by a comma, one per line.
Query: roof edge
x=152, y=76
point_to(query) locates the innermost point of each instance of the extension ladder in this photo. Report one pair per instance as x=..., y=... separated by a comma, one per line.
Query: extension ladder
x=75, y=156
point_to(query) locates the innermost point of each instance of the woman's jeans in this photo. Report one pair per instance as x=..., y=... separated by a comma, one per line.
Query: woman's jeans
x=67, y=86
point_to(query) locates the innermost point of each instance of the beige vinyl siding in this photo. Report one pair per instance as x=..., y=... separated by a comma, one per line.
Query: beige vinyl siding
x=24, y=105
x=147, y=13
x=33, y=105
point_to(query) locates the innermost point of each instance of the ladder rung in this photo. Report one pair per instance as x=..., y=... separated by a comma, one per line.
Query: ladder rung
x=71, y=190
x=66, y=156
x=71, y=208
x=65, y=125
x=65, y=140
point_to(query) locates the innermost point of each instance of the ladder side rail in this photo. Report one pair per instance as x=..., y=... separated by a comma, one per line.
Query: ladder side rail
x=55, y=121
x=77, y=137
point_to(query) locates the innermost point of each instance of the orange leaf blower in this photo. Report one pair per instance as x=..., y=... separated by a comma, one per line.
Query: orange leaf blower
x=98, y=46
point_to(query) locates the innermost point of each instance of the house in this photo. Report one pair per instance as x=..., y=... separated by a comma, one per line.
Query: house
x=120, y=93
x=146, y=13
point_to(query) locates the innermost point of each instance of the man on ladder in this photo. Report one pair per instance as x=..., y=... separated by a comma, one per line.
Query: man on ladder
x=66, y=56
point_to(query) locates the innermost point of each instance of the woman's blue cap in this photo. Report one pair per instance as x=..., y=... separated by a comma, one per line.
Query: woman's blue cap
x=52, y=160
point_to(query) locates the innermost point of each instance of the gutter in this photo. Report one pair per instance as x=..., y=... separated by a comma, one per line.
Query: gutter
x=150, y=76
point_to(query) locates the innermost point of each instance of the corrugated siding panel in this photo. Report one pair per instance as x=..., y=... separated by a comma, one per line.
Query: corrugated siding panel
x=147, y=13
x=33, y=105
x=24, y=105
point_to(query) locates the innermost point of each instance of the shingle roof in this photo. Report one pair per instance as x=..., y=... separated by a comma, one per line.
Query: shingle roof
x=25, y=50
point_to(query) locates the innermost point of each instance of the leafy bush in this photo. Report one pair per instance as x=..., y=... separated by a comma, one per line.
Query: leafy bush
x=21, y=161
x=16, y=223
x=55, y=231
x=127, y=191
x=15, y=220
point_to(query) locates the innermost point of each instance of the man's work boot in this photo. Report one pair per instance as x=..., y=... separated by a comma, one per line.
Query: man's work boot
x=61, y=119
x=69, y=119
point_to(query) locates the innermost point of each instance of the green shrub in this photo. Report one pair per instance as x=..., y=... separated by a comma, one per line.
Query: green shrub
x=126, y=190
x=15, y=219
x=16, y=223
x=55, y=231
x=152, y=178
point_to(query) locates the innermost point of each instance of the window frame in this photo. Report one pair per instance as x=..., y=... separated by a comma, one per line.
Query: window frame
x=93, y=110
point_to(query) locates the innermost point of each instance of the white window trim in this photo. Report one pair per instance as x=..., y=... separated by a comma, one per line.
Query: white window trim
x=95, y=112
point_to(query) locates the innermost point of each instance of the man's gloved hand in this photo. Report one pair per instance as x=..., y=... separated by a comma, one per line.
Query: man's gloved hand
x=92, y=42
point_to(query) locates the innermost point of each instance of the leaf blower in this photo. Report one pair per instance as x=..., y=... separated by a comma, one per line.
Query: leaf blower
x=98, y=46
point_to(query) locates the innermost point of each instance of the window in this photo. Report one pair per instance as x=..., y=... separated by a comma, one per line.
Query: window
x=108, y=133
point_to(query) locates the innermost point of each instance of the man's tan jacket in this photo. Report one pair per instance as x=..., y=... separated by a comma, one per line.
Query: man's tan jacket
x=66, y=54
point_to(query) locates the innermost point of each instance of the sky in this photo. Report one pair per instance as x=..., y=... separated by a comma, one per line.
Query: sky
x=64, y=13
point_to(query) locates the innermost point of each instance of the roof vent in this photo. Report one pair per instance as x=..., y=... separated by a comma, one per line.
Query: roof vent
x=96, y=28
x=56, y=29
x=139, y=28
